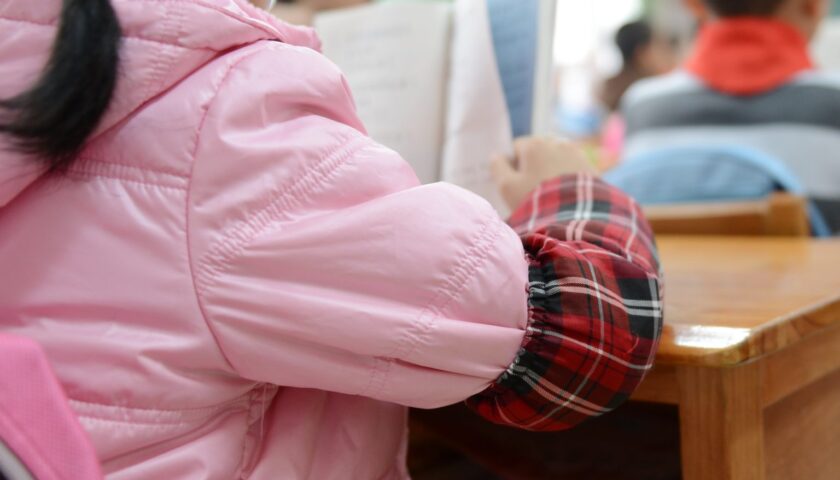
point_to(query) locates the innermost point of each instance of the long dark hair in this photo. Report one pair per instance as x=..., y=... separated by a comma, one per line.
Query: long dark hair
x=53, y=119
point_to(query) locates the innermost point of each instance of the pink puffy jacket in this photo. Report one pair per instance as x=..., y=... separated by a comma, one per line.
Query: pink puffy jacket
x=230, y=228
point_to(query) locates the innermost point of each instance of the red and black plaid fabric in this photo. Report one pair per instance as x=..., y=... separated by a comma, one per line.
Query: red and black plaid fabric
x=595, y=308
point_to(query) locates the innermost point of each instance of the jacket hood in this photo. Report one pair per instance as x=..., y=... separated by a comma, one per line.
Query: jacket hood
x=163, y=42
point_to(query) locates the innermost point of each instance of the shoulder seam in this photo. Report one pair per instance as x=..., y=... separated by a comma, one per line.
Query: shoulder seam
x=187, y=204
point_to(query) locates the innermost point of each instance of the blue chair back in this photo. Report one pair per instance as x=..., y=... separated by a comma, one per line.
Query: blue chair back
x=708, y=173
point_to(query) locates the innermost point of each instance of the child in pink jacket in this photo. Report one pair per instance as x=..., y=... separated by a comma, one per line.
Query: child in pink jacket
x=231, y=280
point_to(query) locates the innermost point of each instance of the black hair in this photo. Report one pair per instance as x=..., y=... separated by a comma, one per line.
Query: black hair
x=734, y=8
x=54, y=118
x=631, y=38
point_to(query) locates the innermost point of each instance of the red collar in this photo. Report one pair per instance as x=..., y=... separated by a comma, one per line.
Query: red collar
x=748, y=56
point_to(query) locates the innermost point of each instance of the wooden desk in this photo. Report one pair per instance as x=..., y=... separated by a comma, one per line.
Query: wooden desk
x=751, y=355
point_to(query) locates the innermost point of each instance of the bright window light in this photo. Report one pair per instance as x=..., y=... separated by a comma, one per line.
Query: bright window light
x=582, y=26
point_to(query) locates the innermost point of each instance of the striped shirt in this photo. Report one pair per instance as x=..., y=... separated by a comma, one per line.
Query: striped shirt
x=798, y=123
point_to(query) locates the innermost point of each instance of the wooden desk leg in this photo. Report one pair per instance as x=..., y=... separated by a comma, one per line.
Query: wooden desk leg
x=721, y=423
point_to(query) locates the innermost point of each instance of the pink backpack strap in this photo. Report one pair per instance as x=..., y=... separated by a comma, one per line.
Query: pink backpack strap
x=37, y=425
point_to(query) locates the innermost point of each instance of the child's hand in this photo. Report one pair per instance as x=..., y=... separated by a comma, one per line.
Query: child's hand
x=537, y=159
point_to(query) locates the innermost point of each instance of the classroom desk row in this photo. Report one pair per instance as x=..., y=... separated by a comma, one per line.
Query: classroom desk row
x=750, y=357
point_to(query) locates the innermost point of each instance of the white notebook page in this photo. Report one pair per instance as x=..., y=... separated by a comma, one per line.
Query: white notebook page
x=478, y=125
x=395, y=57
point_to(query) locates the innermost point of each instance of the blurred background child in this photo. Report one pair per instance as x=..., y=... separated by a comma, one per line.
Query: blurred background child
x=644, y=53
x=749, y=81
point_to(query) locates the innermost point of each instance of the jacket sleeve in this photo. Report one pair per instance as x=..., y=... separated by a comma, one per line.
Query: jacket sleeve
x=319, y=262
x=595, y=308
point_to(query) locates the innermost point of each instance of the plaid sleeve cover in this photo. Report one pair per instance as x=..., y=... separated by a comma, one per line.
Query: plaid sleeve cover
x=595, y=308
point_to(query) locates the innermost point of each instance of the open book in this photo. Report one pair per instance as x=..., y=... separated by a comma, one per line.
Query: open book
x=447, y=84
